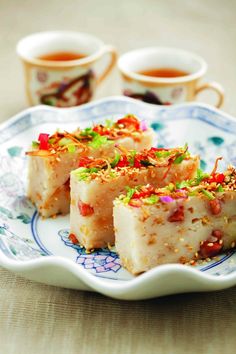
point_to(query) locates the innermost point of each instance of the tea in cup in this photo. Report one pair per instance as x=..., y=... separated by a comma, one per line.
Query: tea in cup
x=165, y=76
x=62, y=67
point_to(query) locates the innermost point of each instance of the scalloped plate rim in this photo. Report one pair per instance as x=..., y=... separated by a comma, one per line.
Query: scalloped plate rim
x=126, y=289
x=121, y=289
x=18, y=116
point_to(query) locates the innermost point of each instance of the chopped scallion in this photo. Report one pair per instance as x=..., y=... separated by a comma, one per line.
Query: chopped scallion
x=220, y=189
x=208, y=194
x=153, y=199
x=35, y=144
x=116, y=160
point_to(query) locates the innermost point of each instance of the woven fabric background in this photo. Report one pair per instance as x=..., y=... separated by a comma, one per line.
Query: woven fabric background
x=35, y=318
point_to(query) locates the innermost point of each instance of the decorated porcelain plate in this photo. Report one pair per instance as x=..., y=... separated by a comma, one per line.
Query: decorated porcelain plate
x=41, y=250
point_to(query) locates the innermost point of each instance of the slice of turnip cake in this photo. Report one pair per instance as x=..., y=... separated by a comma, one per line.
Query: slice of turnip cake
x=181, y=223
x=98, y=182
x=53, y=158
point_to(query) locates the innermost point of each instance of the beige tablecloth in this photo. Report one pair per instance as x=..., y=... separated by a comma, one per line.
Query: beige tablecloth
x=36, y=318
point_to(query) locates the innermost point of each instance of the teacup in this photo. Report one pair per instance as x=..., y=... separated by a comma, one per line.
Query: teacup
x=182, y=85
x=63, y=68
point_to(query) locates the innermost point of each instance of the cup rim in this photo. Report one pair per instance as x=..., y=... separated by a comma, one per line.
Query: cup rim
x=58, y=64
x=149, y=79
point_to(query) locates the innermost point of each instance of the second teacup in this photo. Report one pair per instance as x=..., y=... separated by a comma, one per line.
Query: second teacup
x=164, y=76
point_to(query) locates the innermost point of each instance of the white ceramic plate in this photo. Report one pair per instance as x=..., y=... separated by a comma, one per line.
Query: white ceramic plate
x=40, y=249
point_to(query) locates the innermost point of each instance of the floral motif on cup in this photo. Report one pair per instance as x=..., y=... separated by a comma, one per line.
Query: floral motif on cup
x=68, y=92
x=147, y=96
x=42, y=76
x=177, y=92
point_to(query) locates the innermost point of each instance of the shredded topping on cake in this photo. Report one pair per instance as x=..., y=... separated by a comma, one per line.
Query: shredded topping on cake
x=206, y=185
x=53, y=144
x=126, y=162
x=94, y=137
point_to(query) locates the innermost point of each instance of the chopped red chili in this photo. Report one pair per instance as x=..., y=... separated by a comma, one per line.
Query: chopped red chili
x=158, y=149
x=129, y=121
x=212, y=248
x=43, y=141
x=144, y=193
x=210, y=251
x=215, y=206
x=84, y=161
x=123, y=162
x=178, y=214
x=73, y=239
x=101, y=130
x=217, y=177
x=85, y=209
x=218, y=234
x=137, y=163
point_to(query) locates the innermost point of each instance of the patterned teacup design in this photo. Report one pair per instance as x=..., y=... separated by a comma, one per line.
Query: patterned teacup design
x=165, y=90
x=63, y=83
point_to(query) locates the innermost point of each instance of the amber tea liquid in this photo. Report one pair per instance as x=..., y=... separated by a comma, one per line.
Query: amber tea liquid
x=62, y=56
x=164, y=72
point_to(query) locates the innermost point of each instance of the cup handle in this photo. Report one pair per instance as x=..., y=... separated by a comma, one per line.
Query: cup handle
x=113, y=57
x=214, y=86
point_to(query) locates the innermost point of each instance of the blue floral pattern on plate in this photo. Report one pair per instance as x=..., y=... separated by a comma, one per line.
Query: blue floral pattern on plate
x=101, y=261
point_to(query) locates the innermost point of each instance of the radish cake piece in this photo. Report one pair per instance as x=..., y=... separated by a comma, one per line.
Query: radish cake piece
x=53, y=158
x=181, y=223
x=98, y=182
